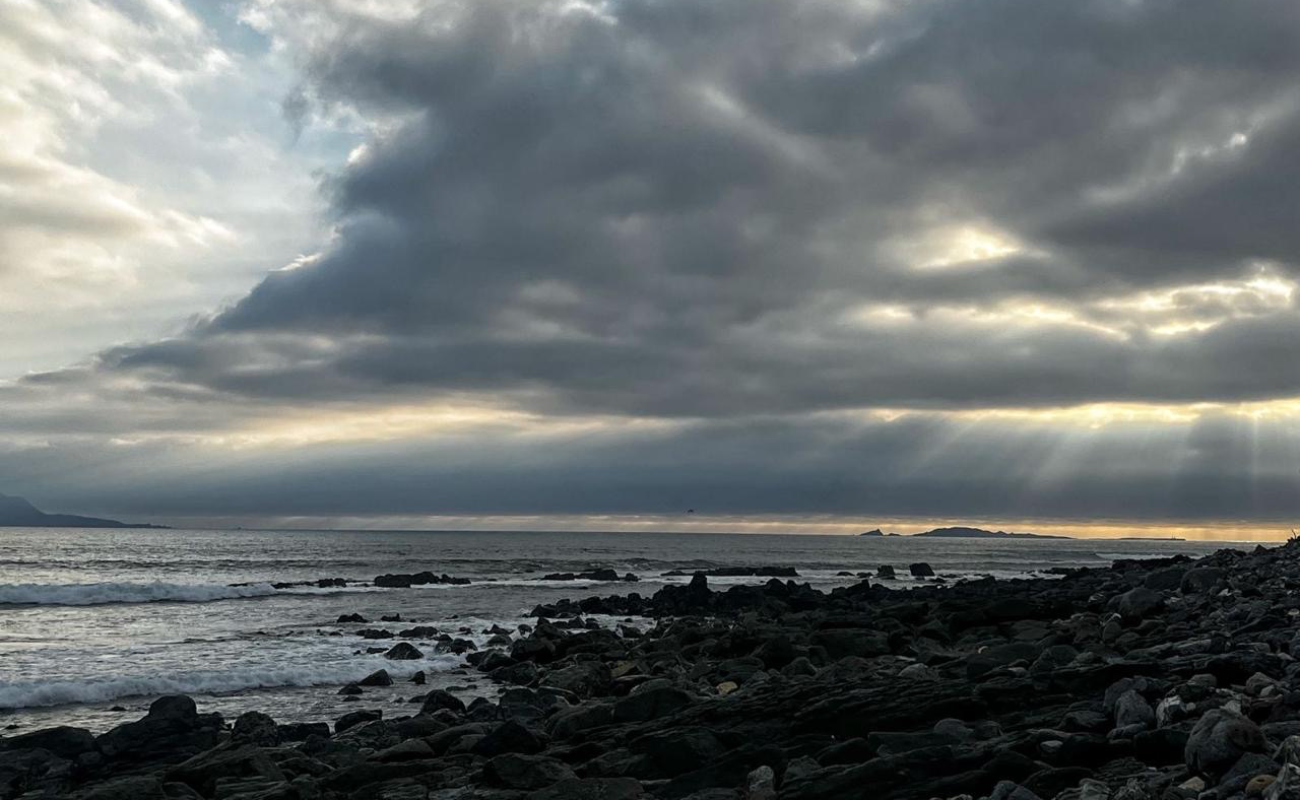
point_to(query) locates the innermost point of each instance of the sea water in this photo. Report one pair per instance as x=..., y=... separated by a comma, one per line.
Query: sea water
x=95, y=623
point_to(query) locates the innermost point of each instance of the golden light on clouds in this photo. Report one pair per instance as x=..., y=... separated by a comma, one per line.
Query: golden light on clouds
x=951, y=246
x=406, y=422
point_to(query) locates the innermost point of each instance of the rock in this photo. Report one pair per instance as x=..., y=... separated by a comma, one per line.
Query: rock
x=649, y=702
x=525, y=673
x=918, y=672
x=376, y=678
x=1246, y=768
x=171, y=732
x=403, y=651
x=409, y=750
x=132, y=787
x=1132, y=709
x=254, y=727
x=843, y=642
x=1137, y=603
x=355, y=718
x=591, y=789
x=885, y=572
x=1259, y=785
x=1200, y=580
x=523, y=771
x=760, y=784
x=509, y=737
x=1218, y=740
x=1006, y=790
x=403, y=581
x=584, y=679
x=301, y=731
x=227, y=761
x=572, y=721
x=441, y=699
x=921, y=570
x=350, y=618
x=1165, y=580
x=776, y=651
x=63, y=741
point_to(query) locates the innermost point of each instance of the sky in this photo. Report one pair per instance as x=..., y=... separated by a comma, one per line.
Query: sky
x=790, y=264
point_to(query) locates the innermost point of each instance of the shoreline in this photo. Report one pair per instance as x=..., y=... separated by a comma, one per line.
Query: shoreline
x=1149, y=678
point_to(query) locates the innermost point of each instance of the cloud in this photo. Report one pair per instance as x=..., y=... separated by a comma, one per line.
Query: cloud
x=139, y=176
x=735, y=220
x=666, y=209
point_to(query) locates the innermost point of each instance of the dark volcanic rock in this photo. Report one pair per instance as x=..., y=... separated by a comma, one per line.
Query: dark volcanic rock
x=522, y=771
x=404, y=651
x=172, y=731
x=1219, y=738
x=404, y=581
x=63, y=741
x=355, y=718
x=379, y=677
x=1121, y=682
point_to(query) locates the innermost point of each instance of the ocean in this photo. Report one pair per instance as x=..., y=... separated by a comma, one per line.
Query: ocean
x=96, y=623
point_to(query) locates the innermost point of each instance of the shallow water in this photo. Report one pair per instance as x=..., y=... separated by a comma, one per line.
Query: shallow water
x=93, y=619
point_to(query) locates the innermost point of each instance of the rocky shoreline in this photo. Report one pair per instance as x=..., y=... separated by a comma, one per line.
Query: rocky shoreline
x=1169, y=678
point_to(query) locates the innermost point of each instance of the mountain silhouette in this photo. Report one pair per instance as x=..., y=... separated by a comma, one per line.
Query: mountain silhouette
x=16, y=512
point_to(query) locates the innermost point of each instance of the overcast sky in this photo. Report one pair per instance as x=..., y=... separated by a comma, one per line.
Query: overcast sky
x=823, y=262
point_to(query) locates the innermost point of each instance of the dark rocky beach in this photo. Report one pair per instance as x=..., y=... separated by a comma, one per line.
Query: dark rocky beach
x=1161, y=678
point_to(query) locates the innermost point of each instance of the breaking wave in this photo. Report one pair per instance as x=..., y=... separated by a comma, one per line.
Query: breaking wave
x=56, y=693
x=94, y=594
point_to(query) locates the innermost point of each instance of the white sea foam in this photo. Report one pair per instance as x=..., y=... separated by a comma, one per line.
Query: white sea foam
x=93, y=594
x=1131, y=556
x=56, y=693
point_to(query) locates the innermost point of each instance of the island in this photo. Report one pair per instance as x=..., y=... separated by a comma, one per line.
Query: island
x=15, y=512
x=980, y=533
x=969, y=533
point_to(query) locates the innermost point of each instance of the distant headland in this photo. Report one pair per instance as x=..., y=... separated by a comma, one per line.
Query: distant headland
x=970, y=533
x=15, y=512
x=980, y=533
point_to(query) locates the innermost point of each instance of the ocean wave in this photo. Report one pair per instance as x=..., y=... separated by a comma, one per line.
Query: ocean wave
x=58, y=693
x=94, y=594
x=1131, y=556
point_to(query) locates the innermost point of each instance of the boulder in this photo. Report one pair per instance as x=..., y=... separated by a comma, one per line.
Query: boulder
x=508, y=737
x=227, y=761
x=63, y=741
x=1218, y=740
x=651, y=701
x=377, y=678
x=1137, y=603
x=254, y=727
x=1199, y=580
x=355, y=718
x=439, y=699
x=524, y=771
x=403, y=651
x=843, y=642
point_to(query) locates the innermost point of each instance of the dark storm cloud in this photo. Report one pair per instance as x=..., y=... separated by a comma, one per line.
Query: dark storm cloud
x=735, y=219
x=666, y=210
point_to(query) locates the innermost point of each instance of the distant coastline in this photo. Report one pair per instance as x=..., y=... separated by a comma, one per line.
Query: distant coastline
x=16, y=512
x=969, y=533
